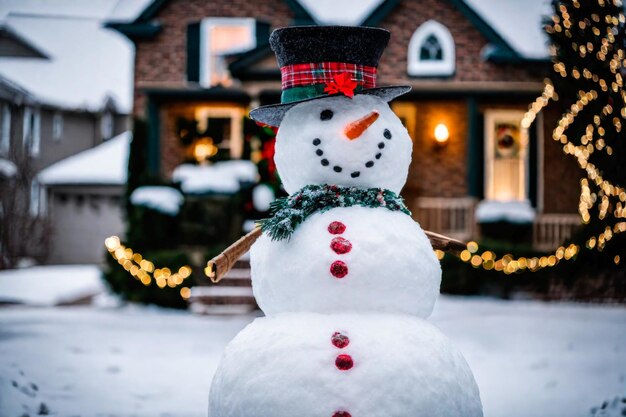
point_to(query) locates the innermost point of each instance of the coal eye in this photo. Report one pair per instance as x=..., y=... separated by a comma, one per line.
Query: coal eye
x=326, y=115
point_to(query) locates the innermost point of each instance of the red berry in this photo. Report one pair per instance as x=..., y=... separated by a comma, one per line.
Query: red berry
x=340, y=245
x=344, y=362
x=342, y=414
x=336, y=228
x=339, y=269
x=340, y=340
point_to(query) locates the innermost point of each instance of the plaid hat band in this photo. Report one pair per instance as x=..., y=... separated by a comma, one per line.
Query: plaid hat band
x=301, y=75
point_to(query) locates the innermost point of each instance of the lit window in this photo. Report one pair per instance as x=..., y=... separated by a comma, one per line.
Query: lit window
x=106, y=125
x=506, y=156
x=221, y=37
x=431, y=51
x=5, y=140
x=57, y=126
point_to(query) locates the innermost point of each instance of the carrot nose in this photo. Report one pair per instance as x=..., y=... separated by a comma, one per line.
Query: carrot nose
x=356, y=128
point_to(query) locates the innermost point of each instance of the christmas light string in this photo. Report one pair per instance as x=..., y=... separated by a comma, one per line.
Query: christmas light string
x=144, y=270
x=582, y=152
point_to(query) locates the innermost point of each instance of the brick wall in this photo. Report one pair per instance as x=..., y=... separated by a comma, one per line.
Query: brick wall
x=438, y=171
x=469, y=42
x=162, y=60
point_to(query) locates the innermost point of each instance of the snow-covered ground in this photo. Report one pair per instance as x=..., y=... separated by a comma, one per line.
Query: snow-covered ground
x=529, y=358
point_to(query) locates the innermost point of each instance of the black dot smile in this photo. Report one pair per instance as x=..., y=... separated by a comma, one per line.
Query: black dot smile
x=337, y=168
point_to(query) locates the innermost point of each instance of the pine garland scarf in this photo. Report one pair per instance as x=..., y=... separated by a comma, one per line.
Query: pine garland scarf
x=288, y=213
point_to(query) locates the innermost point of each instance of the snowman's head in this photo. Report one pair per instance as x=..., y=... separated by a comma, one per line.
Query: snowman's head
x=344, y=141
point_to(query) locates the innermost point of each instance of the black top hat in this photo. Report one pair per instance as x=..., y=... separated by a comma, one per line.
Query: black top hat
x=324, y=61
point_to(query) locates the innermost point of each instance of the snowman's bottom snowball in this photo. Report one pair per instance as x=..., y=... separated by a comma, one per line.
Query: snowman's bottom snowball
x=286, y=366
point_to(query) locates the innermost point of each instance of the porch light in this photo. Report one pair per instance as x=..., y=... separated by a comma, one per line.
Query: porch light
x=203, y=149
x=441, y=134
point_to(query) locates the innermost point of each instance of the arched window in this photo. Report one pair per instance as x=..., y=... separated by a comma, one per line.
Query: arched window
x=431, y=51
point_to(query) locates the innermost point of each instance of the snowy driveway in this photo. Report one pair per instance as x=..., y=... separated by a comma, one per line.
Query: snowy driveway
x=530, y=359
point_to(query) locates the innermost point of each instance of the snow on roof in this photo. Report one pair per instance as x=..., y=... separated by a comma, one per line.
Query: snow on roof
x=221, y=177
x=106, y=164
x=95, y=9
x=340, y=12
x=128, y=10
x=164, y=199
x=88, y=63
x=50, y=285
x=492, y=211
x=518, y=22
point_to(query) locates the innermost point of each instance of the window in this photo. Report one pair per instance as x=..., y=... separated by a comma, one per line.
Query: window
x=229, y=121
x=5, y=139
x=31, y=131
x=57, y=126
x=431, y=51
x=220, y=37
x=106, y=125
x=506, y=156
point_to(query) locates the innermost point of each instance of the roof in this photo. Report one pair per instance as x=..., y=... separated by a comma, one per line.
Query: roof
x=522, y=38
x=106, y=164
x=86, y=64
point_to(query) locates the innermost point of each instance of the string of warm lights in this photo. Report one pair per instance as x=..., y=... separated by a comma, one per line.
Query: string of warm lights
x=588, y=199
x=144, y=270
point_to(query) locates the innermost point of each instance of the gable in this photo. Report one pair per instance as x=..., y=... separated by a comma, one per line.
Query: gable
x=12, y=45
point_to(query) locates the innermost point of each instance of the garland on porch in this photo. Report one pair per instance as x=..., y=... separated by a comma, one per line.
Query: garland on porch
x=288, y=213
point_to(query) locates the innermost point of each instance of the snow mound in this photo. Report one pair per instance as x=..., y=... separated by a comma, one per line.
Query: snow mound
x=262, y=197
x=50, y=285
x=221, y=177
x=7, y=168
x=106, y=164
x=491, y=211
x=167, y=200
x=613, y=408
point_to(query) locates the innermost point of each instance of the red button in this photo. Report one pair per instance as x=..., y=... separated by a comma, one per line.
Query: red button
x=336, y=228
x=342, y=414
x=340, y=245
x=339, y=269
x=340, y=340
x=344, y=362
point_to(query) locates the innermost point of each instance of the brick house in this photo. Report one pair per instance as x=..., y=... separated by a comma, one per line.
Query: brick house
x=473, y=70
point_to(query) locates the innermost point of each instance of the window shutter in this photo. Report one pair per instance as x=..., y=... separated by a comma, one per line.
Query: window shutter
x=475, y=151
x=533, y=158
x=193, y=52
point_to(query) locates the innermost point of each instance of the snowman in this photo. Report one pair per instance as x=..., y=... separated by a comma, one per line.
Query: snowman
x=344, y=275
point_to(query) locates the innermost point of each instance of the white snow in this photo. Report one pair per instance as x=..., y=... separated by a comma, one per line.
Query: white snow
x=340, y=12
x=285, y=366
x=220, y=177
x=7, y=168
x=164, y=199
x=518, y=22
x=491, y=211
x=93, y=9
x=128, y=10
x=87, y=64
x=50, y=285
x=262, y=197
x=105, y=164
x=529, y=358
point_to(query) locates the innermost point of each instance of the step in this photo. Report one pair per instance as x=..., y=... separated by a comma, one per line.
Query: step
x=223, y=309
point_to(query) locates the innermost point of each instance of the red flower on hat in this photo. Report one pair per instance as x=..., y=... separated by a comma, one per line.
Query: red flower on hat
x=342, y=84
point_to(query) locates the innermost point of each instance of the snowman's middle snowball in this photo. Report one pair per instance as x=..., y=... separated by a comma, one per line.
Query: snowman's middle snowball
x=312, y=146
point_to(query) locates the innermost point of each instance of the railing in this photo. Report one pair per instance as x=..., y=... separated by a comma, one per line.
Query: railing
x=550, y=230
x=452, y=217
